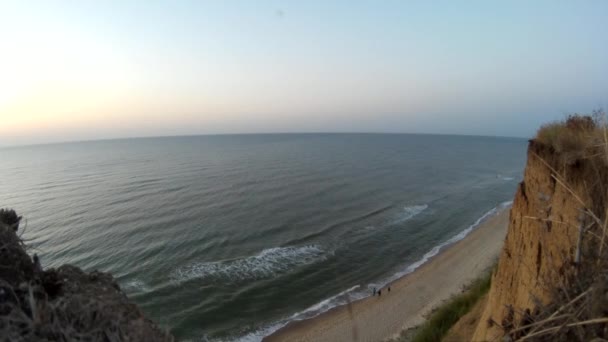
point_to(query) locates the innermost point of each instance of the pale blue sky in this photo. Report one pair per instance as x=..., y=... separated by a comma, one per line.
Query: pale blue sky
x=106, y=69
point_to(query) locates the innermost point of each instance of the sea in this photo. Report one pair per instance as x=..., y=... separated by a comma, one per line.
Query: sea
x=230, y=237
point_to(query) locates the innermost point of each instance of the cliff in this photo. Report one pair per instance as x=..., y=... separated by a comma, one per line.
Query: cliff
x=64, y=304
x=551, y=275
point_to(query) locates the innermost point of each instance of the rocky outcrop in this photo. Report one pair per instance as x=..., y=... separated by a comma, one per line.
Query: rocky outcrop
x=64, y=304
x=546, y=240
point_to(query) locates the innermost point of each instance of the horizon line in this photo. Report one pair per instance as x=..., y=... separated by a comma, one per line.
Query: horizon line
x=261, y=133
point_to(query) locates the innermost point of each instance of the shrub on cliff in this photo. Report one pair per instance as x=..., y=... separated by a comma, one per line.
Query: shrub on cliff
x=64, y=304
x=575, y=134
x=577, y=137
x=10, y=218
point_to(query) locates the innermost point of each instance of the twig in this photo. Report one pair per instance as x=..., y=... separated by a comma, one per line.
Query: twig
x=563, y=307
x=552, y=329
x=536, y=324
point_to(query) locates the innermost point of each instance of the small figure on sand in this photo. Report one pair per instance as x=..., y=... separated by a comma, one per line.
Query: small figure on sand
x=389, y=289
x=374, y=292
x=379, y=292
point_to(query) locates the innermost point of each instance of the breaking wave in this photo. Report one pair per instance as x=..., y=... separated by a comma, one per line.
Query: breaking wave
x=358, y=292
x=411, y=211
x=266, y=264
x=136, y=286
x=344, y=297
x=435, y=250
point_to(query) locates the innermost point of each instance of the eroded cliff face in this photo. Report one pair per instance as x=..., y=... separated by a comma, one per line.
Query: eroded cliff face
x=539, y=254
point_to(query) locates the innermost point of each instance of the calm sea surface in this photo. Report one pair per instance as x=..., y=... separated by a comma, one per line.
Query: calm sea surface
x=229, y=237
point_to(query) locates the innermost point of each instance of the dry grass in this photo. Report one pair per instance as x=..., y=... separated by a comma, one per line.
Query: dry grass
x=577, y=137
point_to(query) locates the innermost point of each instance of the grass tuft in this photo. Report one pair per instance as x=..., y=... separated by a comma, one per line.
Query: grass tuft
x=576, y=137
x=450, y=312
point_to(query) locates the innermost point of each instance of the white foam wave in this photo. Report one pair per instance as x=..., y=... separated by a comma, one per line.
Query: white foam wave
x=266, y=264
x=341, y=298
x=411, y=211
x=435, y=250
x=356, y=292
x=344, y=297
x=136, y=285
x=258, y=335
x=507, y=178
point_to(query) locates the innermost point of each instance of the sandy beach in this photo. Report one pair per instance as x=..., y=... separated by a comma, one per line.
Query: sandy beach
x=412, y=296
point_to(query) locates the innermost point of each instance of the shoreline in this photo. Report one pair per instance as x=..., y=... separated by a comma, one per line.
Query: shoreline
x=453, y=265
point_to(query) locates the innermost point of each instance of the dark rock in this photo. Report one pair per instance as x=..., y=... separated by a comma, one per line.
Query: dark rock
x=64, y=304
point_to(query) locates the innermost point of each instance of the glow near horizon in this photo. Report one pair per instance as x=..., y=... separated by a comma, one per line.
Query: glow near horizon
x=83, y=70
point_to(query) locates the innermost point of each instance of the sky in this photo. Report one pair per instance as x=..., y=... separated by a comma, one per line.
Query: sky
x=85, y=70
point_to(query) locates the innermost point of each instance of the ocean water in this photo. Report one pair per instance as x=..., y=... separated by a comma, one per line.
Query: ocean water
x=229, y=237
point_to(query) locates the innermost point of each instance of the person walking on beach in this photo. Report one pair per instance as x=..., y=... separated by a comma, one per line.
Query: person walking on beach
x=389, y=289
x=379, y=293
x=374, y=292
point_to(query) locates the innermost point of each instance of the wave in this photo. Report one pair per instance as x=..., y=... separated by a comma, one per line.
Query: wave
x=266, y=264
x=435, y=250
x=136, y=286
x=357, y=292
x=411, y=211
x=341, y=298
x=325, y=230
x=344, y=297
